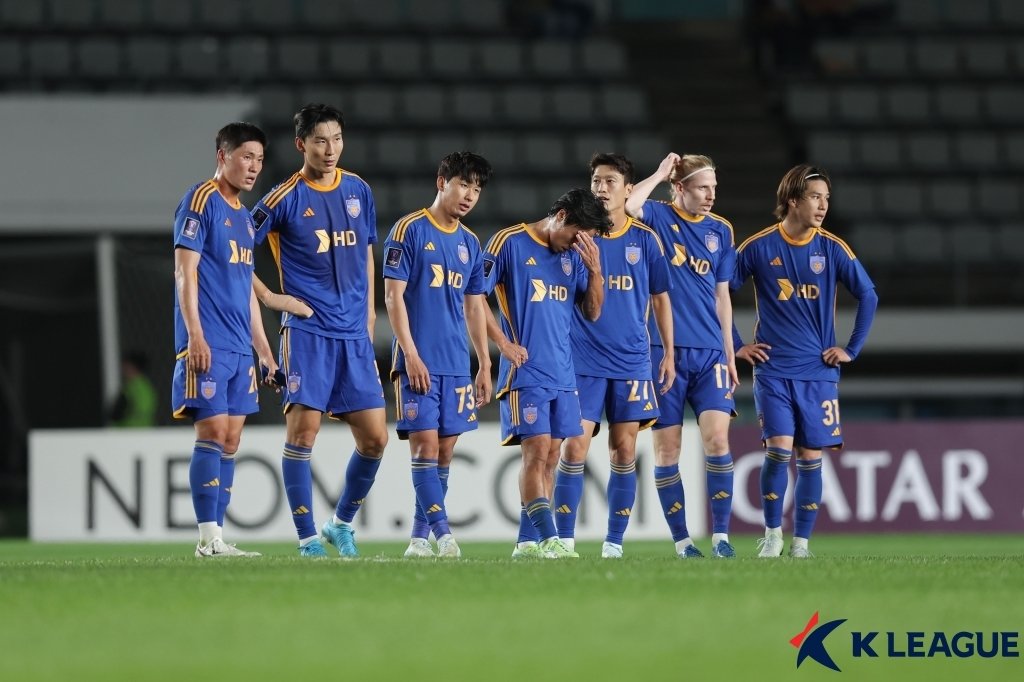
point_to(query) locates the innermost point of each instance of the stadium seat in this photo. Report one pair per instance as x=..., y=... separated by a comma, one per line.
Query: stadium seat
x=99, y=57
x=923, y=243
x=72, y=14
x=971, y=15
x=855, y=197
x=976, y=150
x=1014, y=150
x=958, y=104
x=374, y=103
x=834, y=150
x=542, y=152
x=277, y=103
x=473, y=104
x=11, y=58
x=874, y=243
x=909, y=104
x=148, y=58
x=357, y=154
x=928, y=151
x=1017, y=57
x=248, y=57
x=222, y=14
x=997, y=197
x=902, y=198
x=317, y=15
x=21, y=14
x=423, y=103
x=988, y=58
x=199, y=56
x=326, y=92
x=49, y=57
x=573, y=104
x=379, y=14
x=603, y=58
x=280, y=17
x=880, y=151
x=295, y=55
x=936, y=57
x=501, y=58
x=808, y=103
x=414, y=193
x=859, y=104
x=519, y=199
x=496, y=147
x=837, y=56
x=1005, y=104
x=918, y=13
x=623, y=104
x=886, y=57
x=384, y=200
x=428, y=15
x=398, y=151
x=171, y=15
x=120, y=14
x=349, y=58
x=585, y=145
x=1009, y=240
x=399, y=58
x=645, y=150
x=551, y=58
x=439, y=145
x=970, y=242
x=480, y=14
x=522, y=104
x=950, y=198
x=1009, y=12
x=450, y=58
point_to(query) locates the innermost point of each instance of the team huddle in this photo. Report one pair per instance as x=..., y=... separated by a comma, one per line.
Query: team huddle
x=611, y=306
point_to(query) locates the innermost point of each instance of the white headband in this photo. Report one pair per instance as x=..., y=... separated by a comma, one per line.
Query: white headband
x=812, y=175
x=699, y=170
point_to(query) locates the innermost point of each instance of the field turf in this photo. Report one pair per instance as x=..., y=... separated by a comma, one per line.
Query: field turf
x=153, y=612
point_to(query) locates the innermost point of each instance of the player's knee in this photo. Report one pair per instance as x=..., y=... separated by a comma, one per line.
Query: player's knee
x=231, y=444
x=373, y=445
x=716, y=444
x=622, y=452
x=575, y=451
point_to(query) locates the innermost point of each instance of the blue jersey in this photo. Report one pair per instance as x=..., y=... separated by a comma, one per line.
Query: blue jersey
x=537, y=290
x=440, y=266
x=319, y=236
x=795, y=289
x=703, y=253
x=617, y=346
x=222, y=234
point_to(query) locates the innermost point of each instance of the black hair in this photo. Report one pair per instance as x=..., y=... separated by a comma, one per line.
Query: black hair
x=466, y=165
x=617, y=161
x=312, y=115
x=234, y=135
x=584, y=210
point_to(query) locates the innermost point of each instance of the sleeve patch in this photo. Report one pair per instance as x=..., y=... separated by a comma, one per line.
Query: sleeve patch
x=190, y=229
x=488, y=266
x=393, y=257
x=259, y=216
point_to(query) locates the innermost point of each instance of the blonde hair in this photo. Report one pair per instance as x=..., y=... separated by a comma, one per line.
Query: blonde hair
x=687, y=166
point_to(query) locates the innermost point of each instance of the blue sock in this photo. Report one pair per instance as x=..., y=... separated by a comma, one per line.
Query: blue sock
x=420, y=527
x=808, y=496
x=298, y=487
x=539, y=511
x=429, y=497
x=719, y=478
x=204, y=479
x=527, y=533
x=621, y=496
x=359, y=477
x=442, y=473
x=568, y=492
x=670, y=491
x=227, y=479
x=774, y=479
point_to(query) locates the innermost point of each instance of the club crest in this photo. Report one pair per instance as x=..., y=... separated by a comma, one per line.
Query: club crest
x=817, y=264
x=566, y=265
x=711, y=241
x=353, y=207
x=294, y=382
x=530, y=414
x=412, y=409
x=632, y=255
x=208, y=388
x=463, y=254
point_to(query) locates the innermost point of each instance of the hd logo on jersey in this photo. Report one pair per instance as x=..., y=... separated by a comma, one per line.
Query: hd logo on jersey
x=632, y=254
x=343, y=238
x=455, y=279
x=353, y=207
x=555, y=292
x=239, y=254
x=810, y=643
x=787, y=290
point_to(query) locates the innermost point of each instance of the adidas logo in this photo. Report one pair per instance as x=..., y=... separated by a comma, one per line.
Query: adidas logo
x=300, y=510
x=308, y=213
x=676, y=506
x=434, y=508
x=648, y=406
x=771, y=497
x=360, y=502
x=809, y=507
x=675, y=227
x=212, y=484
x=472, y=418
x=227, y=222
x=836, y=432
x=728, y=396
x=429, y=247
x=720, y=495
x=531, y=261
x=624, y=512
x=564, y=509
x=776, y=261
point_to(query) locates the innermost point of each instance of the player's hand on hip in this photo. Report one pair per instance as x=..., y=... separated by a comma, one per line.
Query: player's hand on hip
x=297, y=307
x=587, y=248
x=514, y=353
x=754, y=353
x=419, y=375
x=835, y=355
x=199, y=356
x=483, y=388
x=666, y=375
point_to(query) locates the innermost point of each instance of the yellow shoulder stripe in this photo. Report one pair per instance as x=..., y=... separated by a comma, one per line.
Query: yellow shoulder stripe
x=732, y=232
x=502, y=236
x=828, y=235
x=275, y=197
x=200, y=196
x=403, y=224
x=657, y=239
x=763, y=233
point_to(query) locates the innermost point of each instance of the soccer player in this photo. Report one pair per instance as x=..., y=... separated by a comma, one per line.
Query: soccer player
x=612, y=357
x=539, y=272
x=703, y=255
x=321, y=224
x=217, y=323
x=795, y=265
x=433, y=287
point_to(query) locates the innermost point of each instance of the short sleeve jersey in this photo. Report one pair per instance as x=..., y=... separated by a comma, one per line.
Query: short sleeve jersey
x=617, y=345
x=795, y=285
x=536, y=290
x=319, y=235
x=222, y=233
x=440, y=266
x=702, y=253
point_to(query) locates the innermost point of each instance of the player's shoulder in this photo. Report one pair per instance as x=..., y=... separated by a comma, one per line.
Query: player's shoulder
x=723, y=225
x=839, y=243
x=647, y=232
x=759, y=237
x=276, y=195
x=465, y=231
x=502, y=237
x=354, y=179
x=406, y=226
x=198, y=196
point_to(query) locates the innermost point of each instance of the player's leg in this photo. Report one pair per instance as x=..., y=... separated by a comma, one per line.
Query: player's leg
x=569, y=477
x=417, y=422
x=718, y=465
x=806, y=499
x=512, y=423
x=227, y=480
x=533, y=485
x=204, y=475
x=446, y=546
x=775, y=412
x=456, y=415
x=302, y=424
x=621, y=484
x=818, y=427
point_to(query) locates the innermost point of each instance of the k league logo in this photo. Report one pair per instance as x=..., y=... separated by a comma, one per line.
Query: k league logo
x=811, y=642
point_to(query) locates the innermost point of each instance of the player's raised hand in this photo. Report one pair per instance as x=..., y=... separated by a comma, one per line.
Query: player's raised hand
x=199, y=357
x=587, y=248
x=666, y=374
x=419, y=375
x=754, y=353
x=835, y=355
x=666, y=166
x=514, y=353
x=483, y=387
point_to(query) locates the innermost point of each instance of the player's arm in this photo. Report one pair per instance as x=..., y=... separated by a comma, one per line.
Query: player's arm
x=723, y=308
x=593, y=297
x=186, y=279
x=474, y=306
x=259, y=338
x=867, y=304
x=750, y=352
x=280, y=302
x=643, y=189
x=513, y=352
x=371, y=309
x=662, y=305
x=415, y=369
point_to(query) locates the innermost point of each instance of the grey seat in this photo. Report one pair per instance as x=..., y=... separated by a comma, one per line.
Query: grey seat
x=522, y=104
x=543, y=152
x=414, y=194
x=423, y=104
x=976, y=150
x=969, y=14
x=199, y=56
x=279, y=17
x=808, y=103
x=277, y=103
x=122, y=13
x=439, y=145
x=21, y=14
x=222, y=14
x=986, y=58
x=958, y=104
x=646, y=150
x=918, y=13
x=999, y=197
x=1014, y=150
x=480, y=14
x=929, y=151
x=149, y=57
x=49, y=57
x=908, y=104
x=428, y=15
x=449, y=58
x=837, y=56
x=1010, y=12
x=602, y=57
x=936, y=57
x=497, y=147
x=386, y=203
x=73, y=14
x=971, y=243
x=551, y=58
x=501, y=58
x=949, y=198
x=295, y=55
x=585, y=145
x=357, y=156
x=171, y=15
x=573, y=104
x=473, y=104
x=11, y=57
x=886, y=57
x=350, y=58
x=400, y=58
x=518, y=199
x=1005, y=104
x=398, y=151
x=834, y=150
x=856, y=198
x=859, y=104
x=374, y=103
x=880, y=151
x=99, y=57
x=320, y=15
x=875, y=243
x=248, y=57
x=623, y=104
x=923, y=243
x=902, y=198
x=1009, y=240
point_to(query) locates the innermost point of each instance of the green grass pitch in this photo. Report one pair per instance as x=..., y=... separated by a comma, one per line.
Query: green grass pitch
x=153, y=612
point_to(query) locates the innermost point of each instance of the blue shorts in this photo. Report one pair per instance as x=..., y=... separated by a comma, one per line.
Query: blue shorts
x=621, y=400
x=230, y=387
x=806, y=410
x=527, y=412
x=449, y=407
x=702, y=379
x=334, y=376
